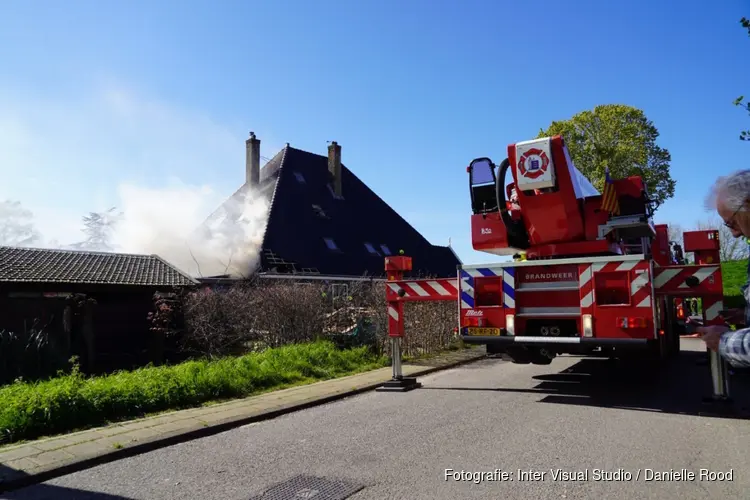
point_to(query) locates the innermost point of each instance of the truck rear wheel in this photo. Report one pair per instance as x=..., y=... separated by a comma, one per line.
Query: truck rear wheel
x=525, y=355
x=542, y=360
x=669, y=343
x=519, y=355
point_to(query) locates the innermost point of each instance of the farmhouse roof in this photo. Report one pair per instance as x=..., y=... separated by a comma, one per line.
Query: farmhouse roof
x=41, y=265
x=325, y=220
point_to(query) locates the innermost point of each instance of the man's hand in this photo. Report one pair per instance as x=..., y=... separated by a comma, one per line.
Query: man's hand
x=711, y=335
x=734, y=316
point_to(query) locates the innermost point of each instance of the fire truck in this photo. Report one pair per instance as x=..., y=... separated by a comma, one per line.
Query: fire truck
x=598, y=276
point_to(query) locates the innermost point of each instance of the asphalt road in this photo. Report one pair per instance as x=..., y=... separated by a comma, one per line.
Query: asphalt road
x=576, y=415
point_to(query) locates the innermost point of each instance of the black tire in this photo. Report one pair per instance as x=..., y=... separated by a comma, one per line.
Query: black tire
x=670, y=341
x=519, y=356
x=543, y=360
x=676, y=345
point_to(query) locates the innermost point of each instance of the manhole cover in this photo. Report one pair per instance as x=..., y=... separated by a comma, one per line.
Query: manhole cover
x=310, y=487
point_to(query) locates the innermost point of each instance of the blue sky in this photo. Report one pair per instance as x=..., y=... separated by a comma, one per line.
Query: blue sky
x=150, y=94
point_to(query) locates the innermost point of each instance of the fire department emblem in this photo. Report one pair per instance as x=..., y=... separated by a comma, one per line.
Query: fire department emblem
x=533, y=163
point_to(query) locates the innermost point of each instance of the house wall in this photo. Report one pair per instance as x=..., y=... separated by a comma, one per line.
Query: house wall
x=33, y=343
x=121, y=327
x=118, y=323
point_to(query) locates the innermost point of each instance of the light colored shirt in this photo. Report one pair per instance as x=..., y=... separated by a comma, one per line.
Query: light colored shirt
x=735, y=346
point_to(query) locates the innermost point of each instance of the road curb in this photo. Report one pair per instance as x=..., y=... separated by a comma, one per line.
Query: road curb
x=24, y=479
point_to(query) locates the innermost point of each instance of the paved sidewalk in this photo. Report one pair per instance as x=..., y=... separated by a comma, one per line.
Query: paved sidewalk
x=41, y=460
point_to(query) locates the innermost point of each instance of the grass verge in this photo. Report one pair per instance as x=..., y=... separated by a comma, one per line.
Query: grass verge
x=73, y=402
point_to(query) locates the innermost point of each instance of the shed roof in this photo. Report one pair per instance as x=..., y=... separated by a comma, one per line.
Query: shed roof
x=41, y=265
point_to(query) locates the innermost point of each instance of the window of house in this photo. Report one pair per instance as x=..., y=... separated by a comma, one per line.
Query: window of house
x=333, y=193
x=319, y=211
x=385, y=249
x=371, y=249
x=331, y=244
x=300, y=177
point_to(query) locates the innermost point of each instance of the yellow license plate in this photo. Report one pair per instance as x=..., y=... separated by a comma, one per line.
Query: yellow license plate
x=484, y=332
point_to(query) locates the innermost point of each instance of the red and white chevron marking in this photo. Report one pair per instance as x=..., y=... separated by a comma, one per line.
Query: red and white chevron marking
x=711, y=308
x=440, y=289
x=640, y=285
x=640, y=289
x=396, y=319
x=672, y=279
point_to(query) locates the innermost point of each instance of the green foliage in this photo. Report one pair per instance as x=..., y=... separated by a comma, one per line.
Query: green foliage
x=740, y=101
x=72, y=402
x=619, y=137
x=734, y=275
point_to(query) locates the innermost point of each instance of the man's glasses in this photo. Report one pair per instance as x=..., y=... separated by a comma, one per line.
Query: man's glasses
x=731, y=224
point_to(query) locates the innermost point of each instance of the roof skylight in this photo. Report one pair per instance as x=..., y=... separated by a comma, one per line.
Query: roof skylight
x=333, y=193
x=319, y=211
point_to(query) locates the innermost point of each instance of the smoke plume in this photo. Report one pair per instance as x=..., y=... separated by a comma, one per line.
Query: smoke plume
x=64, y=156
x=172, y=223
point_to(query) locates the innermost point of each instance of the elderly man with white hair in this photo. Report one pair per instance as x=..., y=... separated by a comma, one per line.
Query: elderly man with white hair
x=730, y=197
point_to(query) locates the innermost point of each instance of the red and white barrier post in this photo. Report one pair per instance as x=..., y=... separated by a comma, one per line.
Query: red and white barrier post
x=394, y=268
x=398, y=290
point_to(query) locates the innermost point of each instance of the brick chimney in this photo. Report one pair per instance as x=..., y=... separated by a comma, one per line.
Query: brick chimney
x=334, y=166
x=252, y=160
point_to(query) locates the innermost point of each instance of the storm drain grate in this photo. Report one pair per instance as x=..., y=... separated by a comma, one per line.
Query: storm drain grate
x=310, y=487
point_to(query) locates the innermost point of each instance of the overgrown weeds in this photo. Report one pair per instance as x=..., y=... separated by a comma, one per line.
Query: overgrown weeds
x=30, y=353
x=73, y=402
x=270, y=313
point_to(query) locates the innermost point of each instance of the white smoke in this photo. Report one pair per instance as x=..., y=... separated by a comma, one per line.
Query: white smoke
x=108, y=146
x=170, y=221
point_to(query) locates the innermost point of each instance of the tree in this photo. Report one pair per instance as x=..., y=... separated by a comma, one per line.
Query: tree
x=98, y=227
x=619, y=137
x=17, y=225
x=740, y=101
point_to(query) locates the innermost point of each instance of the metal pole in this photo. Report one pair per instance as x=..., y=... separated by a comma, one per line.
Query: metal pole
x=396, y=358
x=719, y=375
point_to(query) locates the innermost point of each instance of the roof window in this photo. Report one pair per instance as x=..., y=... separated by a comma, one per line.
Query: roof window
x=300, y=177
x=371, y=249
x=333, y=193
x=331, y=244
x=385, y=249
x=319, y=211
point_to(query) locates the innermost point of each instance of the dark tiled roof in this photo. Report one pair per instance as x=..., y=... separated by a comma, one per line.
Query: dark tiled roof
x=304, y=213
x=37, y=265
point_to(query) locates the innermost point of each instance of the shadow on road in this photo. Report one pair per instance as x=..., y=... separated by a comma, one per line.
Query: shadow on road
x=46, y=491
x=676, y=388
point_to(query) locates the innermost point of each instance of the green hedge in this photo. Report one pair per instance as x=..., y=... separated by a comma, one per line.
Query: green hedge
x=73, y=402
